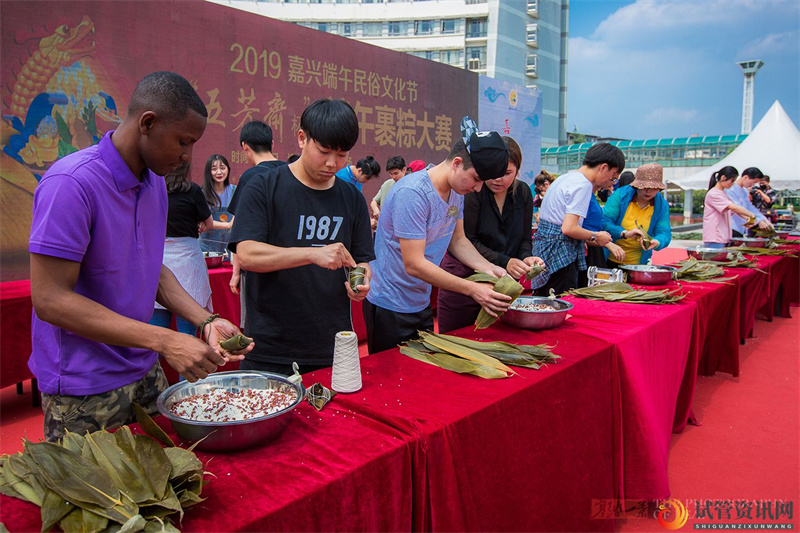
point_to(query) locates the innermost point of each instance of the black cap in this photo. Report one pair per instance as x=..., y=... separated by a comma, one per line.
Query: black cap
x=488, y=153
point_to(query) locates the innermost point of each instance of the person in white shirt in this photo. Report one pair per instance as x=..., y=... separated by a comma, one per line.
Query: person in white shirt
x=560, y=237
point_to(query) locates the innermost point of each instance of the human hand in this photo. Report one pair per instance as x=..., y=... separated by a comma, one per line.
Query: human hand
x=765, y=224
x=602, y=238
x=535, y=261
x=363, y=288
x=517, y=268
x=493, y=270
x=190, y=357
x=234, y=283
x=633, y=233
x=201, y=228
x=219, y=330
x=653, y=244
x=617, y=252
x=333, y=257
x=493, y=302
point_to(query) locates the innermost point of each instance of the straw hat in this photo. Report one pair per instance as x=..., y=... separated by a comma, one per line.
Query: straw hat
x=649, y=176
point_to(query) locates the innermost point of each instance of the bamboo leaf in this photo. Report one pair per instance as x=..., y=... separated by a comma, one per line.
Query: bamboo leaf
x=482, y=277
x=153, y=459
x=83, y=520
x=454, y=364
x=54, y=508
x=123, y=469
x=183, y=462
x=464, y=352
x=535, y=271
x=150, y=427
x=72, y=476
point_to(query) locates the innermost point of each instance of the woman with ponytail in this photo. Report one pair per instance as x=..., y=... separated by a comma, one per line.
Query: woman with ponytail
x=718, y=207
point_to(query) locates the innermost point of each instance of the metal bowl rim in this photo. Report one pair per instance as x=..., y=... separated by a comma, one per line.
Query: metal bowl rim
x=648, y=269
x=536, y=299
x=160, y=403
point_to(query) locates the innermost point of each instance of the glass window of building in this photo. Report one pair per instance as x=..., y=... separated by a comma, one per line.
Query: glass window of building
x=532, y=35
x=533, y=7
x=347, y=29
x=423, y=27
x=476, y=57
x=476, y=28
x=452, y=57
x=531, y=63
x=432, y=55
x=372, y=29
x=322, y=26
x=449, y=26
x=397, y=28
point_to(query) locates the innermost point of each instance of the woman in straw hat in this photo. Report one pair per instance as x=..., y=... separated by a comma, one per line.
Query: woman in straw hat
x=639, y=205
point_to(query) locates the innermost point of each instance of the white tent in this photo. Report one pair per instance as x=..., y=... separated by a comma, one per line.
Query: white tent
x=773, y=146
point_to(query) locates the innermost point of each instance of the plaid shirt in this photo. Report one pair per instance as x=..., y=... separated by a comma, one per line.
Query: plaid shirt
x=557, y=250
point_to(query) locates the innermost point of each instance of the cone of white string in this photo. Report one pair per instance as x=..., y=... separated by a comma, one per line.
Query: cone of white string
x=346, y=376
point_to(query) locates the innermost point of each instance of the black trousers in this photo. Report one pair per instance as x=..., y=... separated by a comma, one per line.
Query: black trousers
x=386, y=329
x=561, y=280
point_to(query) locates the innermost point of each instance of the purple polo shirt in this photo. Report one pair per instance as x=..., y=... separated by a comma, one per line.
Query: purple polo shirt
x=90, y=208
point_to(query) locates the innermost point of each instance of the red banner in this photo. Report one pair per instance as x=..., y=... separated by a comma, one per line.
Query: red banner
x=68, y=69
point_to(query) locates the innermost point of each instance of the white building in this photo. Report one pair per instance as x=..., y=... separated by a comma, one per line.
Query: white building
x=521, y=41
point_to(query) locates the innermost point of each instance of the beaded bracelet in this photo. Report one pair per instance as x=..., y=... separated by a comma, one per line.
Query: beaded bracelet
x=205, y=322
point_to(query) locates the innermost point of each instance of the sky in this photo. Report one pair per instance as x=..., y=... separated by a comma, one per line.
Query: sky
x=649, y=69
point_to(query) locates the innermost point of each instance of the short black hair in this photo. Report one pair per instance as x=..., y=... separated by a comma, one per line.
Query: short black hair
x=169, y=95
x=459, y=149
x=257, y=135
x=369, y=167
x=331, y=123
x=396, y=163
x=604, y=153
x=753, y=172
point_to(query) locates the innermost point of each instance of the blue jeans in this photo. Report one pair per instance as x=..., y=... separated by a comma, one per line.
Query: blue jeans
x=714, y=245
x=163, y=318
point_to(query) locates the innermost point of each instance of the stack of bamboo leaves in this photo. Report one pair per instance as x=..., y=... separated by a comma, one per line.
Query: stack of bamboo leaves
x=119, y=481
x=505, y=285
x=739, y=261
x=786, y=241
x=747, y=250
x=483, y=359
x=693, y=270
x=622, y=292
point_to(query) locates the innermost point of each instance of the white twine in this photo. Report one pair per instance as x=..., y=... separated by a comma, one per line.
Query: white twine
x=346, y=376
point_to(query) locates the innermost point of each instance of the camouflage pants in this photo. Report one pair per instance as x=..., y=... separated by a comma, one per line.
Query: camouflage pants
x=109, y=410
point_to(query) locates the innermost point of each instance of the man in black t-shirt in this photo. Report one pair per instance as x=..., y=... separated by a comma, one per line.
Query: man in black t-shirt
x=296, y=231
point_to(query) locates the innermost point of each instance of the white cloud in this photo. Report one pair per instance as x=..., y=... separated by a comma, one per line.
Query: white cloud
x=662, y=68
x=671, y=115
x=774, y=43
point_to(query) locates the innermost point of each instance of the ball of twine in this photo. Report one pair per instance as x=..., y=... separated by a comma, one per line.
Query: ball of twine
x=346, y=376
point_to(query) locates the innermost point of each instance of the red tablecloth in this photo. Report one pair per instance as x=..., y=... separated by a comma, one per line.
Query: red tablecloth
x=420, y=448
x=717, y=317
x=753, y=288
x=15, y=332
x=656, y=350
x=778, y=268
x=487, y=457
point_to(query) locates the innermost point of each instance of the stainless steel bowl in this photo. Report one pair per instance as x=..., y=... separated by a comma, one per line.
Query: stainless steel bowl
x=648, y=274
x=782, y=234
x=213, y=259
x=230, y=436
x=536, y=319
x=708, y=254
x=752, y=242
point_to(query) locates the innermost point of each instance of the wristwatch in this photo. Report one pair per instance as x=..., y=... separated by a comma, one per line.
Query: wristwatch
x=593, y=237
x=622, y=235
